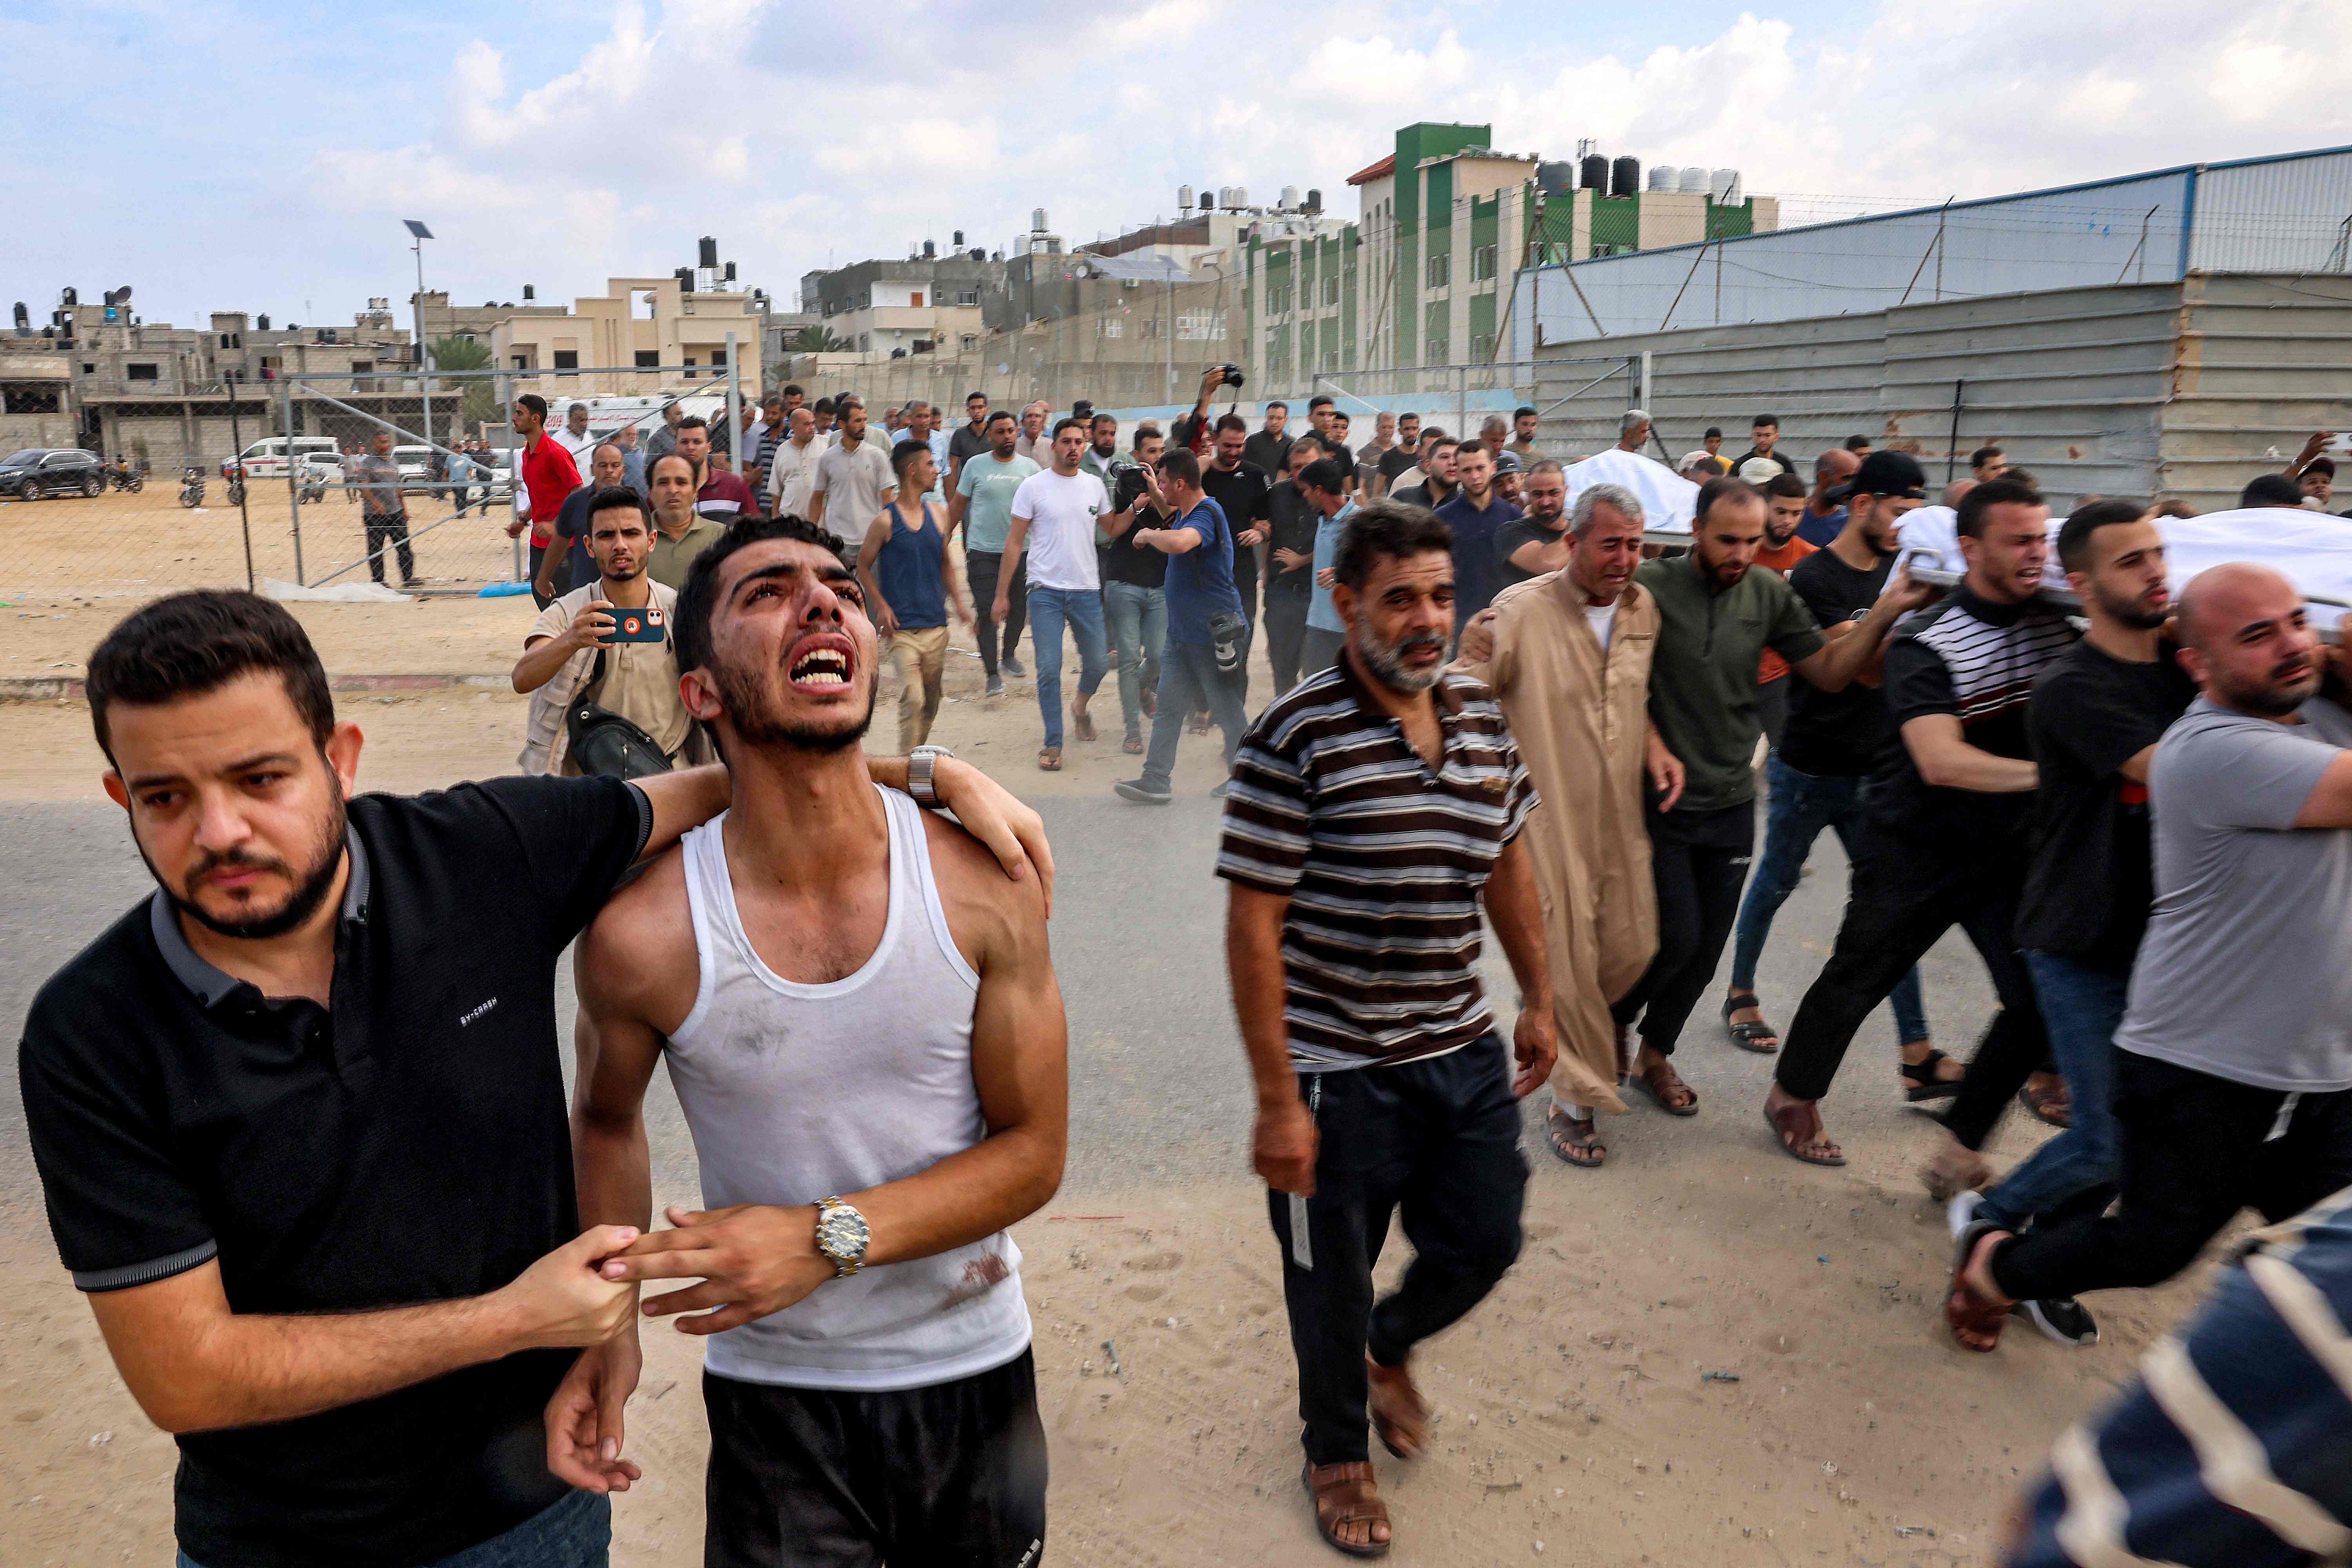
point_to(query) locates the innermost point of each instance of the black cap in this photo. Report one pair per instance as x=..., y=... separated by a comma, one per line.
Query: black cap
x=1884, y=473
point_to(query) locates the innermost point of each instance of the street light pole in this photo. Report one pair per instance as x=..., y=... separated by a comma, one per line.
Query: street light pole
x=424, y=386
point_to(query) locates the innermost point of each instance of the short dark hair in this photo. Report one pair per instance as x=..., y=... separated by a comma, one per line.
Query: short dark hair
x=1403, y=417
x=970, y=395
x=1144, y=432
x=793, y=387
x=535, y=403
x=690, y=632
x=192, y=644
x=2271, y=490
x=1385, y=528
x=824, y=406
x=1324, y=475
x=1983, y=455
x=1763, y=419
x=1722, y=487
x=695, y=422
x=1433, y=433
x=1786, y=486
x=1277, y=402
x=1341, y=414
x=1110, y=419
x=1858, y=443
x=620, y=498
x=1714, y=433
x=1310, y=442
x=1178, y=464
x=671, y=457
x=905, y=453
x=1000, y=414
x=1067, y=424
x=2075, y=538
x=1320, y=400
x=1230, y=422
x=2006, y=491
x=1522, y=410
x=1434, y=444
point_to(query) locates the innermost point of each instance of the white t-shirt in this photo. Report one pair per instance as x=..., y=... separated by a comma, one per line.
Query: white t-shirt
x=1600, y=618
x=1062, y=509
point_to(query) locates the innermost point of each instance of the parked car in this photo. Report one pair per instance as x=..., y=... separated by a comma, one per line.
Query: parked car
x=416, y=465
x=50, y=471
x=266, y=458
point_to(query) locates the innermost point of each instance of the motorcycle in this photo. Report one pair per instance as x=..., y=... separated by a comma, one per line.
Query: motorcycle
x=123, y=477
x=192, y=487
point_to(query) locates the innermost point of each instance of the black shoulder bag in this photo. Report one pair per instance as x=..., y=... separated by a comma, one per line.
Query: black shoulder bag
x=605, y=745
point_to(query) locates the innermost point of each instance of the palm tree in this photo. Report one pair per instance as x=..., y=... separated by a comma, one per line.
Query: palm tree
x=466, y=353
x=816, y=341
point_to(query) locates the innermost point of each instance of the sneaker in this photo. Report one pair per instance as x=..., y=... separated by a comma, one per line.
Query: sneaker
x=1961, y=1213
x=2060, y=1318
x=1135, y=790
x=995, y=686
x=1012, y=666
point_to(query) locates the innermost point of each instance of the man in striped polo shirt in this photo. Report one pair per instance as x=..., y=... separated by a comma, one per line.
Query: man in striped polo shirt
x=1373, y=808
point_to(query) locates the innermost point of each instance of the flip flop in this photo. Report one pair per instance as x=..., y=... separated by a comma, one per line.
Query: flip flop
x=1920, y=1079
x=1795, y=1128
x=1049, y=760
x=1132, y=745
x=1759, y=1036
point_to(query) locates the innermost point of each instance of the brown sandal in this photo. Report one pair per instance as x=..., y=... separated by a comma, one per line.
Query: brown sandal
x=1662, y=1084
x=1049, y=760
x=1083, y=722
x=1975, y=1321
x=1577, y=1140
x=1346, y=1494
x=1400, y=1414
x=1797, y=1127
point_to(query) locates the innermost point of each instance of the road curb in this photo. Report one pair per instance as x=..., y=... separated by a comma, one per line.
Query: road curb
x=68, y=688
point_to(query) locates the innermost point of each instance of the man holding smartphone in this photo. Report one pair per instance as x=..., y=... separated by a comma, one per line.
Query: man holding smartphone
x=577, y=647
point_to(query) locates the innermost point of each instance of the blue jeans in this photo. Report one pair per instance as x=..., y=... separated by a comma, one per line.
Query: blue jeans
x=2081, y=1007
x=1081, y=610
x=1189, y=675
x=1138, y=629
x=1802, y=806
x=576, y=1532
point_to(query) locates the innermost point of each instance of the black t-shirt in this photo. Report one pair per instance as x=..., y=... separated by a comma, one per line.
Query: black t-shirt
x=1291, y=524
x=1396, y=460
x=2088, y=890
x=1242, y=495
x=411, y=1144
x=1835, y=734
x=1270, y=453
x=1123, y=560
x=1771, y=457
x=1515, y=535
x=965, y=445
x=1978, y=661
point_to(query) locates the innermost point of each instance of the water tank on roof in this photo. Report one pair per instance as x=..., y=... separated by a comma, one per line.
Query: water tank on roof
x=1037, y=220
x=1625, y=177
x=1723, y=184
x=709, y=251
x=959, y=239
x=1662, y=176
x=1289, y=199
x=1183, y=199
x=1556, y=178
x=930, y=253
x=1314, y=199
x=531, y=291
x=1592, y=172
x=1693, y=181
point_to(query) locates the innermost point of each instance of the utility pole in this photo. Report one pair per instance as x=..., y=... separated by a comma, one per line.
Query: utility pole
x=423, y=360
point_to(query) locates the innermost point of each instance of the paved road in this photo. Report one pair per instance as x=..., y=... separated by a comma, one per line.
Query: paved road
x=1159, y=1093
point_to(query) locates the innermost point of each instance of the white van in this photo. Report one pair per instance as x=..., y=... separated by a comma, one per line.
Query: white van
x=265, y=459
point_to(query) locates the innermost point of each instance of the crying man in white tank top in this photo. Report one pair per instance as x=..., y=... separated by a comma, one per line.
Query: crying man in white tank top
x=866, y=1036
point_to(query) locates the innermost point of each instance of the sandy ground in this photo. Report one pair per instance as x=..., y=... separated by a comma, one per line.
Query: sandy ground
x=1574, y=1423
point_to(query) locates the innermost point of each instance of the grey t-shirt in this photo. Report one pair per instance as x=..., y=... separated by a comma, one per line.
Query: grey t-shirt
x=853, y=484
x=2246, y=970
x=379, y=482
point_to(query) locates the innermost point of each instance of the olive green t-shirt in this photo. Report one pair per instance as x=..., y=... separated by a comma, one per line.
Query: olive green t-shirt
x=1702, y=676
x=669, y=561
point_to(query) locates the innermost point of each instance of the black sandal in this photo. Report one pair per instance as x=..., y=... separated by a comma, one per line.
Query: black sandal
x=1759, y=1036
x=1920, y=1079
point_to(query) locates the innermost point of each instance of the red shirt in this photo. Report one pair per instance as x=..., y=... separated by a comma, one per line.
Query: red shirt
x=723, y=497
x=549, y=475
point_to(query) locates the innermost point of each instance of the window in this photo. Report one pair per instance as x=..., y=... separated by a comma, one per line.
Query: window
x=1110, y=326
x=1436, y=351
x=362, y=367
x=649, y=358
x=1277, y=301
x=970, y=342
x=567, y=359
x=139, y=371
x=1330, y=360
x=89, y=370
x=718, y=359
x=915, y=300
x=1605, y=247
x=1201, y=325
x=1441, y=269
x=1482, y=347
x=521, y=362
x=1331, y=288
x=1482, y=263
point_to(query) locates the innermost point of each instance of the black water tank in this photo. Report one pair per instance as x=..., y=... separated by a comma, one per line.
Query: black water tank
x=959, y=239
x=685, y=276
x=530, y=292
x=1314, y=200
x=709, y=252
x=1556, y=178
x=1593, y=174
x=1625, y=177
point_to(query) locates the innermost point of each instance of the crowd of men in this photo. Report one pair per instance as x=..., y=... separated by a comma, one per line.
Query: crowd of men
x=342, y=1238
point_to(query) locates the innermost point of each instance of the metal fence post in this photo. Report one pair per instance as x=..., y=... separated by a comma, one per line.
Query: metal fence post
x=293, y=480
x=514, y=467
x=735, y=408
x=236, y=445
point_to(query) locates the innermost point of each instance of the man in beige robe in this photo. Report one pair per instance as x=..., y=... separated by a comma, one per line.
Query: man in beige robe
x=1568, y=654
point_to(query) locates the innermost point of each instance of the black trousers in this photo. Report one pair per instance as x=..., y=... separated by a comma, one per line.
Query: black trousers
x=1698, y=860
x=945, y=1477
x=983, y=566
x=385, y=529
x=1437, y=1139
x=1902, y=896
x=1286, y=635
x=2196, y=1149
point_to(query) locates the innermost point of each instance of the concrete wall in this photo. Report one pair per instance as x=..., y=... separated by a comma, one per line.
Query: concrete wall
x=2262, y=362
x=19, y=430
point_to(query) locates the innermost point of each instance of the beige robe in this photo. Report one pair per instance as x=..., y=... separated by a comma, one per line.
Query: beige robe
x=1581, y=722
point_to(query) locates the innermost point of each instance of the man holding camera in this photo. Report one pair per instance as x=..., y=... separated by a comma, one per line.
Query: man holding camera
x=1207, y=636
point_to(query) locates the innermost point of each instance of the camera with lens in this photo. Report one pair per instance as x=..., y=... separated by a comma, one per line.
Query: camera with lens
x=1232, y=374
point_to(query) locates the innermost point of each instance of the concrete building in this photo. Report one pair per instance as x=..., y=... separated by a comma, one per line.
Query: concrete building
x=637, y=321
x=928, y=303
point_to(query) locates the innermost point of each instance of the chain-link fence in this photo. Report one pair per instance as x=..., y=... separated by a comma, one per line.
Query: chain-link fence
x=267, y=484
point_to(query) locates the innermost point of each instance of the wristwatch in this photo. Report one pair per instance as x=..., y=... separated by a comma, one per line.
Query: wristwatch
x=842, y=1236
x=921, y=764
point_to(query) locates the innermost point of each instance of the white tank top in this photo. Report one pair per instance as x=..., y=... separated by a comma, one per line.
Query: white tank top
x=797, y=1092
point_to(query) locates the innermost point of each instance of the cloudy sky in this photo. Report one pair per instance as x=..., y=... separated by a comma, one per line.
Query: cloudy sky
x=243, y=156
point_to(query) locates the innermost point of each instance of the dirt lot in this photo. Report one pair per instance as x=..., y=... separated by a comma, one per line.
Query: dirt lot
x=1574, y=1421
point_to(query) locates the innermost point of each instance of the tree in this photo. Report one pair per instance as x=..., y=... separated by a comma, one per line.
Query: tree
x=816, y=341
x=478, y=398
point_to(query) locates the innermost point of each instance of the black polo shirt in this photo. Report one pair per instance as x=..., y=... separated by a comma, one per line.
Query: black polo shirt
x=408, y=1144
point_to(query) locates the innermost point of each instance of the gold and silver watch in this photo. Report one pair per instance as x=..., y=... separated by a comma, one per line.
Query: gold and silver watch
x=842, y=1236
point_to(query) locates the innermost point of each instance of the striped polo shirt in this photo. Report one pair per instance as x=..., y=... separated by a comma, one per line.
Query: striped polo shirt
x=1383, y=860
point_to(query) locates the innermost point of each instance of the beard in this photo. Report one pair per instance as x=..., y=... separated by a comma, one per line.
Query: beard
x=311, y=884
x=1387, y=660
x=2131, y=613
x=756, y=722
x=2273, y=699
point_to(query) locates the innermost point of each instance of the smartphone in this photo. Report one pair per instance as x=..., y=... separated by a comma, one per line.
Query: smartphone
x=648, y=625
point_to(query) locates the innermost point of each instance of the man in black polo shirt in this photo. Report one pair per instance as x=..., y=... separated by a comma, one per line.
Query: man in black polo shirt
x=301, y=1128
x=1241, y=490
x=1290, y=565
